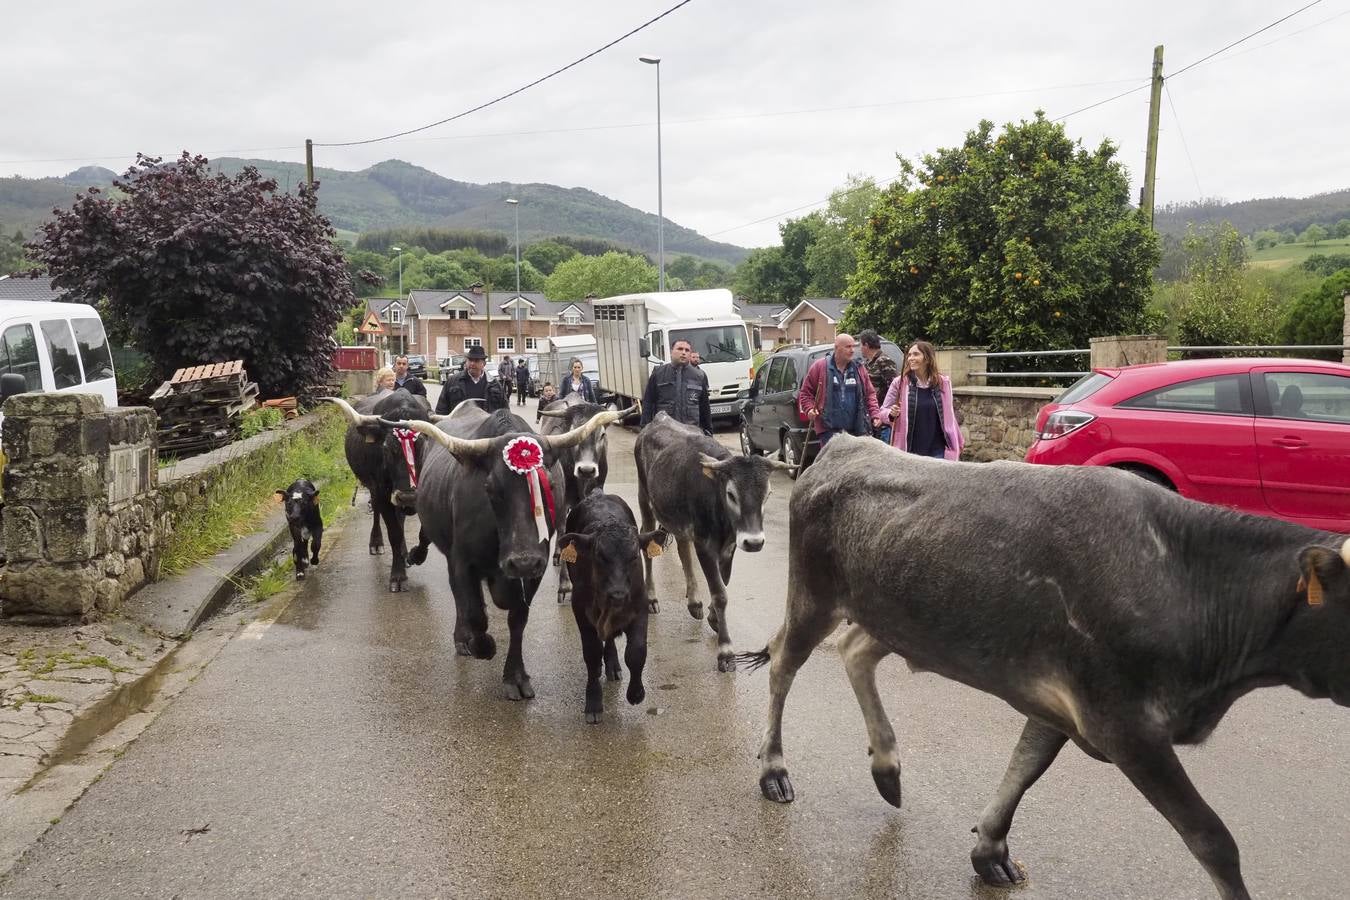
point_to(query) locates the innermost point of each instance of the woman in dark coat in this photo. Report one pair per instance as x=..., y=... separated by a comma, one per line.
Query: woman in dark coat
x=576, y=383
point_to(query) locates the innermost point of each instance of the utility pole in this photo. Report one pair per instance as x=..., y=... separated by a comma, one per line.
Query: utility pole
x=309, y=162
x=1151, y=159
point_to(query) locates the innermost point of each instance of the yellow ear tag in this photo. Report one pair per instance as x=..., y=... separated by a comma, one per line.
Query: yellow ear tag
x=568, y=554
x=1314, y=590
x=370, y=439
x=707, y=472
x=654, y=550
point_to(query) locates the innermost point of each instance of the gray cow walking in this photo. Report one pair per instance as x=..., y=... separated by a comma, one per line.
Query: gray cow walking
x=1127, y=620
x=711, y=501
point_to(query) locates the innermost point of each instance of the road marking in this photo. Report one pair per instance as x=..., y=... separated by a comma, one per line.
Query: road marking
x=254, y=631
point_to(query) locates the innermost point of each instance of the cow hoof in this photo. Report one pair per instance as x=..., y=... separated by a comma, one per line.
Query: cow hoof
x=593, y=718
x=377, y=550
x=299, y=574
x=696, y=610
x=776, y=786
x=417, y=555
x=653, y=606
x=726, y=662
x=462, y=648
x=314, y=562
x=398, y=585
x=613, y=674
x=519, y=690
x=636, y=693
x=994, y=866
x=888, y=785
x=482, y=646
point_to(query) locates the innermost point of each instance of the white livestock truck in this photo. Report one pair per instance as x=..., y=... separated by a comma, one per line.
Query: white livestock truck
x=634, y=332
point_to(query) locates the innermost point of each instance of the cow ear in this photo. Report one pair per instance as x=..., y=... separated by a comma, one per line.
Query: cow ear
x=1321, y=569
x=316, y=494
x=571, y=545
x=281, y=492
x=653, y=543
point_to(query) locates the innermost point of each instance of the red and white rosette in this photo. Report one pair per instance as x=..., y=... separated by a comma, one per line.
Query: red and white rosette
x=524, y=456
x=407, y=441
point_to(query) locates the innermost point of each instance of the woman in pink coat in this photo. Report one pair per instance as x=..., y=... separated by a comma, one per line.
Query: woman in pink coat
x=919, y=407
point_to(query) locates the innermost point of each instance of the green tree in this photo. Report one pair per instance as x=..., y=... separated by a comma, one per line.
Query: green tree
x=11, y=252
x=500, y=272
x=766, y=277
x=1318, y=316
x=1023, y=241
x=1342, y=228
x=442, y=273
x=1314, y=234
x=605, y=276
x=1326, y=264
x=195, y=267
x=546, y=255
x=833, y=257
x=1265, y=239
x=1217, y=303
x=697, y=274
x=368, y=271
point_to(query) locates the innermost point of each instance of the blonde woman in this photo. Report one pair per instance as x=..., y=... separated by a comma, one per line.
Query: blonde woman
x=919, y=407
x=384, y=379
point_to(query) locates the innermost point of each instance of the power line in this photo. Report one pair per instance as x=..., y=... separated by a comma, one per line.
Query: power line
x=1133, y=90
x=1241, y=40
x=1175, y=118
x=518, y=90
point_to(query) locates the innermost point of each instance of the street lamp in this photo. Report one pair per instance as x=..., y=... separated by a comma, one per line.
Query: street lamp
x=515, y=205
x=399, y=251
x=660, y=212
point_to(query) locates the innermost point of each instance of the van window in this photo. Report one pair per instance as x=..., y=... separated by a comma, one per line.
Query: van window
x=93, y=345
x=61, y=349
x=18, y=354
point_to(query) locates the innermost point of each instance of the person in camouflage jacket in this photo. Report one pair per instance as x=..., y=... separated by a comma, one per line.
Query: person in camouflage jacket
x=881, y=369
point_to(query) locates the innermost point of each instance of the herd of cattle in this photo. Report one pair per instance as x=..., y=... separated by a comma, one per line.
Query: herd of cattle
x=1126, y=619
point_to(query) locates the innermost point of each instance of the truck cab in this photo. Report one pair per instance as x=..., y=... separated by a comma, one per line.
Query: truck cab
x=634, y=333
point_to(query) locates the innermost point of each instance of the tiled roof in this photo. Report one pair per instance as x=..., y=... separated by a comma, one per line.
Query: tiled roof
x=20, y=287
x=428, y=303
x=762, y=313
x=833, y=307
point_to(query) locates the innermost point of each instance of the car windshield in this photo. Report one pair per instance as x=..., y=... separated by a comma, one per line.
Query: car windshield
x=719, y=343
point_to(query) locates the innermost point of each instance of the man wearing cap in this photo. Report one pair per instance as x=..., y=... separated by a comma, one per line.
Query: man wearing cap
x=472, y=384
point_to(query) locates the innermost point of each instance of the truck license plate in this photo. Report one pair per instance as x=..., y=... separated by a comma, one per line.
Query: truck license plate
x=723, y=409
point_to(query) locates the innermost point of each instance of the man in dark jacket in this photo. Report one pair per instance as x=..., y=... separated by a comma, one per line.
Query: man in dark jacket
x=522, y=381
x=679, y=390
x=410, y=383
x=881, y=369
x=471, y=384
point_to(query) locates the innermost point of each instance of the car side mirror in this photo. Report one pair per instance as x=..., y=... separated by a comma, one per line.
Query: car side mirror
x=754, y=391
x=12, y=383
x=644, y=348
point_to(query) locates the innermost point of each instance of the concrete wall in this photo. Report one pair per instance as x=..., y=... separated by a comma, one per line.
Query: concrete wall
x=998, y=422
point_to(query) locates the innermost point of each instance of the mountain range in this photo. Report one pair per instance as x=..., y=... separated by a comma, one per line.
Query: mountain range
x=394, y=194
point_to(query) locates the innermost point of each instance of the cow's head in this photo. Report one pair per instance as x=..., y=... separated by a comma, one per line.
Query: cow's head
x=300, y=498
x=1317, y=653
x=514, y=469
x=610, y=552
x=400, y=450
x=588, y=460
x=743, y=486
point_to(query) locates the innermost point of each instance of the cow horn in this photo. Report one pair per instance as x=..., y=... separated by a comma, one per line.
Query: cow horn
x=632, y=410
x=554, y=413
x=712, y=462
x=1345, y=551
x=355, y=417
x=456, y=445
x=580, y=433
x=779, y=464
x=437, y=417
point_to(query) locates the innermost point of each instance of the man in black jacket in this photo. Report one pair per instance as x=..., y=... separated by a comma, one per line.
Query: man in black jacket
x=679, y=390
x=470, y=384
x=410, y=383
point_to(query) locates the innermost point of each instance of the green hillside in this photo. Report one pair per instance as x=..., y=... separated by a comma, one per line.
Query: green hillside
x=1250, y=216
x=395, y=194
x=1283, y=255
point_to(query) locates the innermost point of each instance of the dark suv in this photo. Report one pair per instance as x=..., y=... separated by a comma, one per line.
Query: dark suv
x=770, y=422
x=417, y=365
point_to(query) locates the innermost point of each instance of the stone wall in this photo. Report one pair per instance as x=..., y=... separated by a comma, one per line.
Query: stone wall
x=81, y=517
x=87, y=508
x=998, y=422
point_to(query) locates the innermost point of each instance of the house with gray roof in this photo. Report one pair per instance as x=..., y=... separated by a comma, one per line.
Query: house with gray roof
x=21, y=287
x=447, y=323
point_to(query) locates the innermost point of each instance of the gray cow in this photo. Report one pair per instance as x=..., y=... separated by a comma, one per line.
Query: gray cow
x=1124, y=618
x=711, y=501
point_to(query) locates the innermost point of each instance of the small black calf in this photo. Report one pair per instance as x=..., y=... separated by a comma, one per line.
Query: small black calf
x=603, y=551
x=302, y=515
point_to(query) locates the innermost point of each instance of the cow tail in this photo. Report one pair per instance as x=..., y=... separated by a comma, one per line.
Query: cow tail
x=753, y=660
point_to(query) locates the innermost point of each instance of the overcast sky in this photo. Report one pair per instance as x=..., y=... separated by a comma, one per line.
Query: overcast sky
x=751, y=91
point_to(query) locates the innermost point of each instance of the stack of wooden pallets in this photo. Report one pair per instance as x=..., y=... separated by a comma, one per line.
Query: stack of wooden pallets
x=200, y=407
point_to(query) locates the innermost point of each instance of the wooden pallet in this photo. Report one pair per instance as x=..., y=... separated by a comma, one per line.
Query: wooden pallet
x=213, y=370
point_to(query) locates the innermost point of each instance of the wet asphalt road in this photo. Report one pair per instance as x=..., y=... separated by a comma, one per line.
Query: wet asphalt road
x=346, y=751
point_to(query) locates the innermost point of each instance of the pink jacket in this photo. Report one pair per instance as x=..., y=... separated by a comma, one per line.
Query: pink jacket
x=899, y=393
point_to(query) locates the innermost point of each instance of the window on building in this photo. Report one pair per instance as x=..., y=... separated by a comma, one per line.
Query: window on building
x=472, y=342
x=531, y=343
x=571, y=317
x=506, y=344
x=396, y=315
x=459, y=313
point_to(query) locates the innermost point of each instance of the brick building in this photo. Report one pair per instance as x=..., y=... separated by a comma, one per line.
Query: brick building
x=447, y=323
x=765, y=321
x=814, y=320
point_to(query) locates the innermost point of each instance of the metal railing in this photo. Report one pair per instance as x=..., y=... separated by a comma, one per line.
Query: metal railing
x=1031, y=353
x=1262, y=349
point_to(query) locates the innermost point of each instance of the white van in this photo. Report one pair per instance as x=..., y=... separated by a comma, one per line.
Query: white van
x=54, y=347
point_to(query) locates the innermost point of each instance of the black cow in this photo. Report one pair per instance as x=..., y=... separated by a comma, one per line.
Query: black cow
x=302, y=516
x=585, y=466
x=602, y=547
x=1109, y=611
x=711, y=501
x=386, y=460
x=480, y=513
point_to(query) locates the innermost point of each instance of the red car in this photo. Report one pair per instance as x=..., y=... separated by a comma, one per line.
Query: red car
x=1268, y=436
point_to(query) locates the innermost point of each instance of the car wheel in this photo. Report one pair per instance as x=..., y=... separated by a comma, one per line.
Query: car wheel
x=747, y=446
x=1152, y=475
x=790, y=452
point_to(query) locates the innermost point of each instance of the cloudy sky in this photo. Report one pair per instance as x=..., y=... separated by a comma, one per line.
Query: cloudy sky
x=767, y=105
